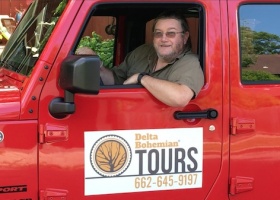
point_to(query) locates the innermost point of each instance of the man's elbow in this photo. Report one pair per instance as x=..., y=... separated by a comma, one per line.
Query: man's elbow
x=181, y=100
x=183, y=97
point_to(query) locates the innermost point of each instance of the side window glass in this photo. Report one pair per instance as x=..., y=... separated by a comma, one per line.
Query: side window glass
x=260, y=43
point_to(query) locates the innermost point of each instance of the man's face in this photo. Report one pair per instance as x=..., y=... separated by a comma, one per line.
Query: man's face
x=169, y=40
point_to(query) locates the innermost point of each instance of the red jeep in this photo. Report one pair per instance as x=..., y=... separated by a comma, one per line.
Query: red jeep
x=65, y=136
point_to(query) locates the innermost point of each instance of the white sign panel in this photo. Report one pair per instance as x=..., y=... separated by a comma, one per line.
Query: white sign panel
x=125, y=161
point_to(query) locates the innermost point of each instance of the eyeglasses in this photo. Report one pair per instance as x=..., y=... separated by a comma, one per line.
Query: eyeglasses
x=169, y=34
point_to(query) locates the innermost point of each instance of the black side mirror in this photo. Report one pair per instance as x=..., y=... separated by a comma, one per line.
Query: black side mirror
x=78, y=74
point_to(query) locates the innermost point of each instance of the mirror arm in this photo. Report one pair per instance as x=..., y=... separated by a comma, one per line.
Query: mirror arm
x=60, y=108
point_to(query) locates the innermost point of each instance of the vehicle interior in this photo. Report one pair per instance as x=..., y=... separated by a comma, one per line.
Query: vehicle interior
x=129, y=25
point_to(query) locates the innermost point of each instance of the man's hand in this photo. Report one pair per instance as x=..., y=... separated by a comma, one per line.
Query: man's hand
x=131, y=80
x=85, y=51
x=172, y=94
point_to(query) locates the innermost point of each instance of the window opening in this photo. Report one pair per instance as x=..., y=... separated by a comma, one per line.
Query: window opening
x=259, y=43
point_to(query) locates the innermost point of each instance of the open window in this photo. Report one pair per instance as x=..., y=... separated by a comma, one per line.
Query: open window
x=114, y=30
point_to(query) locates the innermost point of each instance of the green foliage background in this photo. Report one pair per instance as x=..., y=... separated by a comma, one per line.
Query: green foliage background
x=254, y=44
x=103, y=48
x=249, y=75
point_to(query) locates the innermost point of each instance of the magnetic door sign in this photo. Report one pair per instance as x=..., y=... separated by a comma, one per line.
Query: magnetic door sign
x=145, y=160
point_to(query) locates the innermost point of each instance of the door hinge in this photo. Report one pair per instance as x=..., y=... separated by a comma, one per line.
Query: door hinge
x=53, y=194
x=49, y=133
x=242, y=125
x=240, y=184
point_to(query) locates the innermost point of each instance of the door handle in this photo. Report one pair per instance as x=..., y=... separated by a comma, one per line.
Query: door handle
x=206, y=114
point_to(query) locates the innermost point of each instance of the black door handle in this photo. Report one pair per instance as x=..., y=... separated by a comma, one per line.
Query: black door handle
x=206, y=114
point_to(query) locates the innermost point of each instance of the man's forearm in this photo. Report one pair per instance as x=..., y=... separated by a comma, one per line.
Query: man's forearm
x=172, y=94
x=106, y=76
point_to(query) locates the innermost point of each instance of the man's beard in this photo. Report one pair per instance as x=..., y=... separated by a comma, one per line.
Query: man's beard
x=171, y=56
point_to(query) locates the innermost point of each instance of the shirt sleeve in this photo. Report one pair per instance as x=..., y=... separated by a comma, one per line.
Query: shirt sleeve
x=187, y=71
x=120, y=72
x=135, y=62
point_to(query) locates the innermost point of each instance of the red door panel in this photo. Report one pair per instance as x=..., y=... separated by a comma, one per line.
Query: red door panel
x=254, y=107
x=112, y=123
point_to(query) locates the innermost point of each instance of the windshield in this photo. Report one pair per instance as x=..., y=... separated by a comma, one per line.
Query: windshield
x=27, y=42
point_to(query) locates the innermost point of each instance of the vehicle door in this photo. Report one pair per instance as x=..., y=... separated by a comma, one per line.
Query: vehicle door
x=122, y=143
x=254, y=102
x=21, y=85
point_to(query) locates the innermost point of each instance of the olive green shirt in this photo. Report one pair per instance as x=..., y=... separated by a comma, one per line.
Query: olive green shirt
x=184, y=70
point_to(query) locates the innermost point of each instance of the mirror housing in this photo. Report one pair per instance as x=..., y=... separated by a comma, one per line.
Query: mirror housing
x=78, y=74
